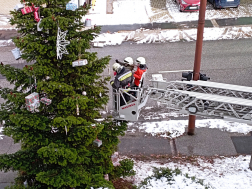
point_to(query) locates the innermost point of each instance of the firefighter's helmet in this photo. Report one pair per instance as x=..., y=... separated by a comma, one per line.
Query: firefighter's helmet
x=128, y=60
x=140, y=60
x=117, y=67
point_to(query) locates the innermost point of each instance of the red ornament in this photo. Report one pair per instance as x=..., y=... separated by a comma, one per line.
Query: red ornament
x=36, y=16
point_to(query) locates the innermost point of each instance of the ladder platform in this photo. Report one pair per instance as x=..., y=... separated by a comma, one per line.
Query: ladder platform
x=217, y=85
x=218, y=98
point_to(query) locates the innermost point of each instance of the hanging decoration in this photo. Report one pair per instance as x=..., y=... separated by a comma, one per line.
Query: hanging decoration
x=77, y=107
x=100, y=94
x=18, y=7
x=79, y=62
x=36, y=15
x=26, y=9
x=115, y=159
x=45, y=101
x=97, y=142
x=29, y=9
x=61, y=43
x=16, y=53
x=88, y=22
x=35, y=83
x=71, y=6
x=38, y=26
x=66, y=129
x=84, y=93
x=32, y=101
x=106, y=177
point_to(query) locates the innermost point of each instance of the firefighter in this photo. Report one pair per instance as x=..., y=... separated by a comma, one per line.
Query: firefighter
x=127, y=63
x=141, y=68
x=123, y=79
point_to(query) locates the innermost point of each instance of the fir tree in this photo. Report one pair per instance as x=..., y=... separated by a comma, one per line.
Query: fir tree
x=57, y=141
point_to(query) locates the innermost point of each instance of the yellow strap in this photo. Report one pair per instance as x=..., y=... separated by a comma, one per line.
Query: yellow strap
x=126, y=76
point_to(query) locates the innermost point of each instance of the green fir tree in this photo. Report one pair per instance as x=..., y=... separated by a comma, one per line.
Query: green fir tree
x=57, y=142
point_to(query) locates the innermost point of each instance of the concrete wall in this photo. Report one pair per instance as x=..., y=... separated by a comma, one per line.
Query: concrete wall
x=7, y=5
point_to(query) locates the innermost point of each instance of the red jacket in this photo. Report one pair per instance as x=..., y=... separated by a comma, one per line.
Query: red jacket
x=138, y=75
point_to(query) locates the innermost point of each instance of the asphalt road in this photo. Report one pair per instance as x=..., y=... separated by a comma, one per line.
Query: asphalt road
x=225, y=61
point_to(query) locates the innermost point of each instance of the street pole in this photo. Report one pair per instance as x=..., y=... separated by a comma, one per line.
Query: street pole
x=197, y=59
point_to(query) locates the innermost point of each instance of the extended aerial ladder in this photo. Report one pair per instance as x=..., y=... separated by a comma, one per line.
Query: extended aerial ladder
x=204, y=98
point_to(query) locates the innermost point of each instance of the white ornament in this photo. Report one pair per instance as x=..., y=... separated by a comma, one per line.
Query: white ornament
x=81, y=62
x=16, y=53
x=38, y=27
x=100, y=94
x=66, y=129
x=84, y=93
x=77, y=110
x=61, y=43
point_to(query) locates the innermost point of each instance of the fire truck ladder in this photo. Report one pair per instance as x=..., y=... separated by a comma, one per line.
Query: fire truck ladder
x=204, y=98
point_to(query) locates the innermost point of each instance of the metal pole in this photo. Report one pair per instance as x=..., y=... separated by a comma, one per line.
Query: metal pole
x=197, y=59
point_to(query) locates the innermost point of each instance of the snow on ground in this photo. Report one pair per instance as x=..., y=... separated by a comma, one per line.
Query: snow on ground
x=176, y=128
x=221, y=173
x=140, y=11
x=153, y=36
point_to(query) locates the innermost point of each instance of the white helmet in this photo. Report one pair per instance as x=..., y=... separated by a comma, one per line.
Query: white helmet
x=117, y=67
x=128, y=60
x=140, y=60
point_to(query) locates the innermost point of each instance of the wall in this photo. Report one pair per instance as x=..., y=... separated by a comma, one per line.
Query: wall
x=7, y=5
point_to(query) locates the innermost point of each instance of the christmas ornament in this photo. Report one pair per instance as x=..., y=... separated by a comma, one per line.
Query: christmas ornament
x=26, y=9
x=45, y=101
x=106, y=177
x=100, y=94
x=18, y=7
x=32, y=101
x=16, y=53
x=66, y=129
x=88, y=22
x=80, y=62
x=38, y=26
x=61, y=43
x=36, y=15
x=35, y=83
x=77, y=110
x=115, y=159
x=97, y=142
x=84, y=93
x=71, y=6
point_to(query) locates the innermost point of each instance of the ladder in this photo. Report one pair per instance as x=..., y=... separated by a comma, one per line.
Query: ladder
x=204, y=98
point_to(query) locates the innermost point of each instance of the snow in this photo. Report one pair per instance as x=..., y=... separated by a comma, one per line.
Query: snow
x=176, y=128
x=222, y=173
x=140, y=11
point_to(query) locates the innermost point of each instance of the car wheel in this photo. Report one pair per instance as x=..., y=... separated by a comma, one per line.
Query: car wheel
x=214, y=5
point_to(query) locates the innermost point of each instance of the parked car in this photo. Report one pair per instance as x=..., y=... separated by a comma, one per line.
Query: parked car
x=188, y=5
x=217, y=4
